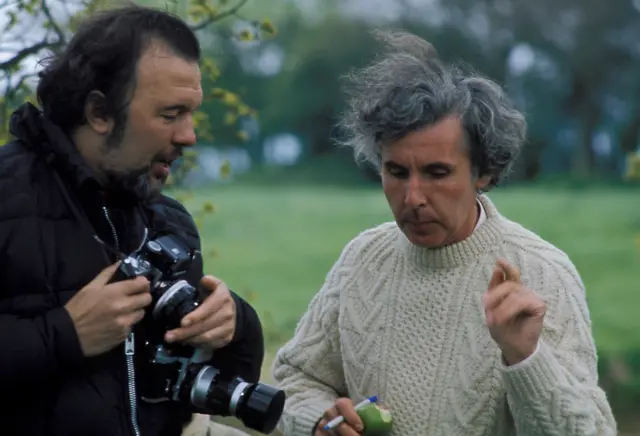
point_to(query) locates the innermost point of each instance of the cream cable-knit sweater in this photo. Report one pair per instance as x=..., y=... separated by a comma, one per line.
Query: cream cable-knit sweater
x=407, y=324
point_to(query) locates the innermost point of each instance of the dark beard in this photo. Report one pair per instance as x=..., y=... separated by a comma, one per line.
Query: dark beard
x=154, y=186
x=133, y=185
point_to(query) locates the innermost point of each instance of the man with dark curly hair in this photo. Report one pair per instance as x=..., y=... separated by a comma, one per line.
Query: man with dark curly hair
x=78, y=344
x=461, y=321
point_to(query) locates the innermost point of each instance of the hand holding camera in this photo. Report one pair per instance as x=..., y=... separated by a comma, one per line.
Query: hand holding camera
x=213, y=324
x=174, y=319
x=104, y=313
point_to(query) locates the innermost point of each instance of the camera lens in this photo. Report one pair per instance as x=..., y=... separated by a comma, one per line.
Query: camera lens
x=257, y=405
x=177, y=301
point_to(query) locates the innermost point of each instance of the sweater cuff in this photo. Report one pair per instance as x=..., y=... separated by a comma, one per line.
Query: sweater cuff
x=535, y=380
x=525, y=361
x=307, y=416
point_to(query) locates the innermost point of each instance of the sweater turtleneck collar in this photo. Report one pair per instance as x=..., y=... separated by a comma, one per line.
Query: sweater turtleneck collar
x=486, y=238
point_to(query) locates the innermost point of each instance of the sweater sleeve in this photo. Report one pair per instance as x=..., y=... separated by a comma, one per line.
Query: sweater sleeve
x=556, y=392
x=309, y=367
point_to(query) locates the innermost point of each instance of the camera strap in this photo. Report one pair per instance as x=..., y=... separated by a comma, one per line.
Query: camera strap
x=80, y=216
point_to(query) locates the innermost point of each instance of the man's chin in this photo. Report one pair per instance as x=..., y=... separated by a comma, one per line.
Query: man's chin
x=155, y=185
x=434, y=239
x=133, y=184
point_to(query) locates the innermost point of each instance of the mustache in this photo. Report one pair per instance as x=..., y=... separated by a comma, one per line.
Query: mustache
x=164, y=157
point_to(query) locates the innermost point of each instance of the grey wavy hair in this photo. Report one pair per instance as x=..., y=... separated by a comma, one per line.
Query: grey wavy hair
x=408, y=88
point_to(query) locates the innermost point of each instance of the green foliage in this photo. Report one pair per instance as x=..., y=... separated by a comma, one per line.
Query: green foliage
x=633, y=166
x=202, y=16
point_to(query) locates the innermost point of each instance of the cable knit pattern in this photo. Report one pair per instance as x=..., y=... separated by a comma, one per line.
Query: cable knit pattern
x=407, y=324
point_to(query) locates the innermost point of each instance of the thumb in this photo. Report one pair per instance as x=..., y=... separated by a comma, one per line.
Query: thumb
x=106, y=274
x=209, y=284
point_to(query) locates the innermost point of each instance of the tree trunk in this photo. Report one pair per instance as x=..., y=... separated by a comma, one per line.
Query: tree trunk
x=584, y=158
x=630, y=132
x=579, y=106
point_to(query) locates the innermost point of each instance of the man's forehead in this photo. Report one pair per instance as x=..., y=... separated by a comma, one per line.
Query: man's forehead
x=158, y=60
x=160, y=67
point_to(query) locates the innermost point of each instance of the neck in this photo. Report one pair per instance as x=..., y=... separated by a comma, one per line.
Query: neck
x=469, y=225
x=89, y=149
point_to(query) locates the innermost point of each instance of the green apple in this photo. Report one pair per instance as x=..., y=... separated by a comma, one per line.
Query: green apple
x=377, y=420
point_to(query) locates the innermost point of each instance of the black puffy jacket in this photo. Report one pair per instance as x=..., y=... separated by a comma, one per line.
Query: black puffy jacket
x=50, y=209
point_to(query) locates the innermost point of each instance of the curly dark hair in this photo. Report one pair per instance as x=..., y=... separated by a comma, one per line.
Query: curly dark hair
x=409, y=87
x=103, y=56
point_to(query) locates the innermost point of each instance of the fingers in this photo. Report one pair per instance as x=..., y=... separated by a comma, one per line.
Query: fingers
x=138, y=302
x=320, y=431
x=328, y=415
x=515, y=302
x=494, y=298
x=352, y=424
x=497, y=277
x=125, y=322
x=136, y=317
x=214, y=338
x=135, y=286
x=508, y=310
x=215, y=328
x=212, y=304
x=352, y=421
x=503, y=271
x=511, y=272
x=106, y=274
x=210, y=283
x=128, y=305
x=344, y=429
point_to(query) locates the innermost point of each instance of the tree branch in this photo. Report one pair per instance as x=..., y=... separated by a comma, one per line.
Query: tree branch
x=12, y=89
x=220, y=16
x=8, y=3
x=54, y=25
x=24, y=53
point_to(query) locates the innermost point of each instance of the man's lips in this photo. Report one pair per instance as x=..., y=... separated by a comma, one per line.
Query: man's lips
x=161, y=169
x=167, y=162
x=421, y=225
x=169, y=159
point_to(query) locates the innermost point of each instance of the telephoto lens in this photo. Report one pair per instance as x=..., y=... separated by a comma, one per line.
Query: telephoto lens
x=257, y=405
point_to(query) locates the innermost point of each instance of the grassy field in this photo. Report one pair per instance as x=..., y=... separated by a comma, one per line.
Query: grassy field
x=274, y=246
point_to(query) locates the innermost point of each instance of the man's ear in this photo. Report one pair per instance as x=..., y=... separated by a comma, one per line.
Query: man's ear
x=96, y=113
x=481, y=182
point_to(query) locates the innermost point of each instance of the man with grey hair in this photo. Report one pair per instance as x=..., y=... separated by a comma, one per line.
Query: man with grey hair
x=461, y=321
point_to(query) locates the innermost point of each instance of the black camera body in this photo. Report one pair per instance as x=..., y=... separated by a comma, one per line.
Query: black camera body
x=176, y=372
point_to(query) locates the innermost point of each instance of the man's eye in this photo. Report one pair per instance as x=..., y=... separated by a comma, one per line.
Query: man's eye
x=169, y=117
x=439, y=174
x=398, y=173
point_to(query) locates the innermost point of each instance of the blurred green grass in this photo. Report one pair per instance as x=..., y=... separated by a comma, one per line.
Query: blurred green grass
x=274, y=246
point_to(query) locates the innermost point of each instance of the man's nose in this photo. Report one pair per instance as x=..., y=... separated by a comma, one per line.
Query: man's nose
x=185, y=135
x=414, y=195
